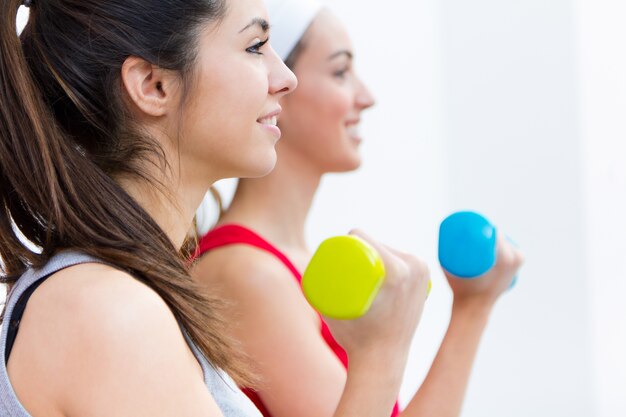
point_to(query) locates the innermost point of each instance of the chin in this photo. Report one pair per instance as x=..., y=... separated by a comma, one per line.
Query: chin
x=346, y=165
x=260, y=167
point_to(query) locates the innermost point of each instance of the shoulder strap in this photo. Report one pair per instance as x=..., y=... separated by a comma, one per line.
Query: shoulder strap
x=234, y=234
x=26, y=286
x=16, y=317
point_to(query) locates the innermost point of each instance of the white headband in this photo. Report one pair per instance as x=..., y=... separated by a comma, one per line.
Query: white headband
x=289, y=20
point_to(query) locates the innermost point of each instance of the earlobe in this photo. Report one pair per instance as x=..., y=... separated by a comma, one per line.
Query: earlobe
x=145, y=86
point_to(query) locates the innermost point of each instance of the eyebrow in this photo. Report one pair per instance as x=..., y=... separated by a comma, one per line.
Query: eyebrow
x=340, y=53
x=262, y=23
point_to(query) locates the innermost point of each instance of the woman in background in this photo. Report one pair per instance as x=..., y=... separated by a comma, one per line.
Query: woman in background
x=257, y=252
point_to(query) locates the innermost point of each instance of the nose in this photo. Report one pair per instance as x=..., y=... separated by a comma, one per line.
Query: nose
x=282, y=80
x=364, y=98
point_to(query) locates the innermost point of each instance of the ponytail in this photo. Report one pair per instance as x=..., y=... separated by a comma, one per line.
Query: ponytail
x=63, y=139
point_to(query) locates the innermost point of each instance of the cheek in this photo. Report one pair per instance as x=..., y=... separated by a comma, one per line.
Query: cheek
x=340, y=104
x=237, y=96
x=231, y=97
x=323, y=110
x=221, y=117
x=315, y=126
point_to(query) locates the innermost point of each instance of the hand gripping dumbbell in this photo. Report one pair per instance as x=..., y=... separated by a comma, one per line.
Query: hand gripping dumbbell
x=343, y=277
x=467, y=245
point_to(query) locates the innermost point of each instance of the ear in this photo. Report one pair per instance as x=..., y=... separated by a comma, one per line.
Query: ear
x=150, y=88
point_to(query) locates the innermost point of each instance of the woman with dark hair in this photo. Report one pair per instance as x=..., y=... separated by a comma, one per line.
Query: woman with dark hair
x=115, y=118
x=256, y=254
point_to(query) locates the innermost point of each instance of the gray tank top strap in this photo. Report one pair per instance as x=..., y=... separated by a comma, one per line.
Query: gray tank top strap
x=228, y=396
x=230, y=399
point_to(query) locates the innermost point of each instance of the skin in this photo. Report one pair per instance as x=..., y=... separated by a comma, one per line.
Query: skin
x=275, y=324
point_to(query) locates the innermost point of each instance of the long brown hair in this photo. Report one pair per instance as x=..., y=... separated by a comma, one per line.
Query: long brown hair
x=65, y=134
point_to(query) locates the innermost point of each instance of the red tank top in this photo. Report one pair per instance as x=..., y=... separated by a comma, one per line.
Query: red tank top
x=233, y=234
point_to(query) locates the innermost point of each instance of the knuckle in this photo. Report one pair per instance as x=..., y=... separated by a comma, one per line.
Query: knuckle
x=421, y=267
x=508, y=258
x=355, y=231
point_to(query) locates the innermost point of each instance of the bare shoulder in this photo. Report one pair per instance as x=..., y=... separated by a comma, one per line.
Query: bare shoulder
x=95, y=338
x=265, y=300
x=94, y=288
x=242, y=271
x=100, y=300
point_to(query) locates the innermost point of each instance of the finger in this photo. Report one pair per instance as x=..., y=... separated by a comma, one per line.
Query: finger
x=504, y=251
x=511, y=241
x=384, y=251
x=393, y=263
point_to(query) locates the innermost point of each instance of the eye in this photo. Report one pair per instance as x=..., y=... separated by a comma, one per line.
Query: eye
x=341, y=73
x=256, y=48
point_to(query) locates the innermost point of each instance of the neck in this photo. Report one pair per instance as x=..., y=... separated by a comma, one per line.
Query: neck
x=172, y=205
x=277, y=205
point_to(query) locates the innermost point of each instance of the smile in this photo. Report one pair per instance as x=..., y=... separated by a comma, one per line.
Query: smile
x=270, y=121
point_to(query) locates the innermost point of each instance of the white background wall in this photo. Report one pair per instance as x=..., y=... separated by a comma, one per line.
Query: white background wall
x=603, y=106
x=516, y=109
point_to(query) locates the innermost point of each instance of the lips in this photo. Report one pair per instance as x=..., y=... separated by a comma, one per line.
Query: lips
x=270, y=119
x=353, y=130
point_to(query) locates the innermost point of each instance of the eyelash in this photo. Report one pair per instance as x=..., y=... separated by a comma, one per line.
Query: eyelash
x=341, y=73
x=254, y=49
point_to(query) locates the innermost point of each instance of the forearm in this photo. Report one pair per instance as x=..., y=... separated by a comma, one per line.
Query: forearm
x=443, y=390
x=372, y=385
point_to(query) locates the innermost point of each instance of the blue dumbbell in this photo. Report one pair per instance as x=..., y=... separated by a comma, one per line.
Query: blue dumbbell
x=467, y=245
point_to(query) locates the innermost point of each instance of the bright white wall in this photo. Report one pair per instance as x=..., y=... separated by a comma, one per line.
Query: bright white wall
x=513, y=141
x=602, y=36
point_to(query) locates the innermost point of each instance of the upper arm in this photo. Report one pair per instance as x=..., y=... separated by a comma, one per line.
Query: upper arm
x=94, y=341
x=300, y=375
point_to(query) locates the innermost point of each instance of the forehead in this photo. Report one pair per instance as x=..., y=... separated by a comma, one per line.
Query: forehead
x=325, y=36
x=240, y=13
